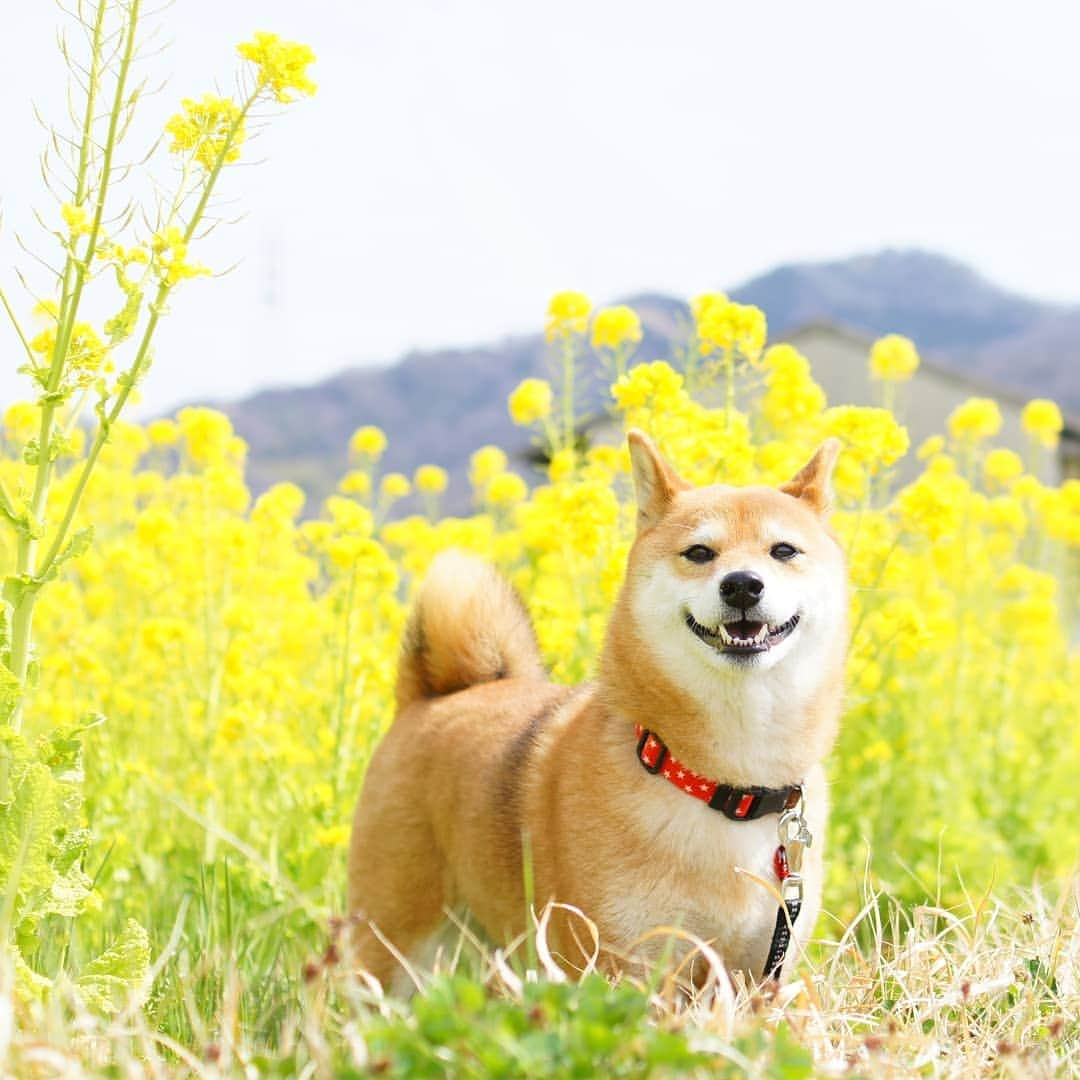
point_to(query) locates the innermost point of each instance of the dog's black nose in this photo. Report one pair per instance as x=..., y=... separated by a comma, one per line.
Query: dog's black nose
x=741, y=589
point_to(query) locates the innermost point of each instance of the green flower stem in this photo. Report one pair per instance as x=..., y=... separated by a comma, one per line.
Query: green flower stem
x=23, y=614
x=341, y=697
x=729, y=387
x=74, y=278
x=568, y=392
x=75, y=269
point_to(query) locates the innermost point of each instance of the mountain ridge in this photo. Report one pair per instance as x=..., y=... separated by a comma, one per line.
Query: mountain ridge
x=440, y=405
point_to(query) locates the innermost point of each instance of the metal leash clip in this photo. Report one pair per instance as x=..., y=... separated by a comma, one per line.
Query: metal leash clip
x=795, y=838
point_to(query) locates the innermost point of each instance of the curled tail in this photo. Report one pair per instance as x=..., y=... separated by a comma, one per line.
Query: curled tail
x=468, y=626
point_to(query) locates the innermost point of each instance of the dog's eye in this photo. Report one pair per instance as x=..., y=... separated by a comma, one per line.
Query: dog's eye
x=783, y=552
x=699, y=553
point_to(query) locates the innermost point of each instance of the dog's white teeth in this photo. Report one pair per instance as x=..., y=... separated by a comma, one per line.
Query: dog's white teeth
x=725, y=637
x=762, y=634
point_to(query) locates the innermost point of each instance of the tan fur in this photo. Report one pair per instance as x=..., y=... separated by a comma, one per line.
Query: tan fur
x=468, y=627
x=464, y=773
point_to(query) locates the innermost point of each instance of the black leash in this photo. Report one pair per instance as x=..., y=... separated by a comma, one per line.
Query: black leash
x=795, y=838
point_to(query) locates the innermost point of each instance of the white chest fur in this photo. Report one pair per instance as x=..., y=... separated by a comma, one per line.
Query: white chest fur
x=707, y=875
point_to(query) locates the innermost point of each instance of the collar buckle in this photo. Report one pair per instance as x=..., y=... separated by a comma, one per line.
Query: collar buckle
x=735, y=803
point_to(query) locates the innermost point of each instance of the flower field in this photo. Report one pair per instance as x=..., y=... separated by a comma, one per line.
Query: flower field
x=194, y=677
x=243, y=655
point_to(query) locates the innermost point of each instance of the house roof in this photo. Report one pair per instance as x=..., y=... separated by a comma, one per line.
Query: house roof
x=944, y=371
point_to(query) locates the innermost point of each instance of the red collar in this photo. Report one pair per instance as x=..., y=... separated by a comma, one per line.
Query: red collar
x=736, y=803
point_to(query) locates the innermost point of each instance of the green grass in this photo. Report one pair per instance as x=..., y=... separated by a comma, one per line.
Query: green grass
x=248, y=983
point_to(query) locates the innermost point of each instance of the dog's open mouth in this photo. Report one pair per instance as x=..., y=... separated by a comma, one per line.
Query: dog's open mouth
x=743, y=636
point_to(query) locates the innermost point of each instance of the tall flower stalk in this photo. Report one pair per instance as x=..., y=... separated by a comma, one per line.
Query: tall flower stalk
x=71, y=360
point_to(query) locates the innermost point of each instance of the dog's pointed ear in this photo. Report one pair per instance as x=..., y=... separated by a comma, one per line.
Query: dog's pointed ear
x=813, y=482
x=655, y=481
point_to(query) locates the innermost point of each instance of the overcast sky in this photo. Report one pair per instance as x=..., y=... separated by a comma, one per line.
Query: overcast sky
x=463, y=160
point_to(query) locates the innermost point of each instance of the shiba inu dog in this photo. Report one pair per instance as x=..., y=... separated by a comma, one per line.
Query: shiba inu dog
x=648, y=797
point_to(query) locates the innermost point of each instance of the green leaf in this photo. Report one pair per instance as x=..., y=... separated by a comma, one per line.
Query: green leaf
x=29, y=985
x=42, y=843
x=108, y=981
x=78, y=545
x=15, y=588
x=27, y=826
x=61, y=748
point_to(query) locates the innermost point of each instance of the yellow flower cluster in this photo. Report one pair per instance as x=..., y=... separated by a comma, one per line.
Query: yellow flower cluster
x=531, y=401
x=431, y=480
x=1042, y=420
x=280, y=65
x=1002, y=466
x=245, y=657
x=734, y=330
x=792, y=396
x=893, y=358
x=76, y=218
x=170, y=251
x=211, y=130
x=974, y=420
x=651, y=384
x=368, y=442
x=568, y=314
x=87, y=354
x=615, y=328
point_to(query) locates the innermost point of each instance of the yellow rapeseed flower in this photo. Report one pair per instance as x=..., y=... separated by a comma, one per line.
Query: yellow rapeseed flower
x=1002, y=466
x=733, y=329
x=430, y=480
x=21, y=421
x=657, y=384
x=702, y=303
x=87, y=354
x=395, y=485
x=505, y=489
x=357, y=482
x=368, y=441
x=207, y=130
x=615, y=327
x=76, y=218
x=792, y=394
x=486, y=463
x=531, y=401
x=872, y=436
x=976, y=419
x=170, y=251
x=930, y=447
x=332, y=835
x=934, y=504
x=207, y=434
x=162, y=432
x=893, y=358
x=1006, y=514
x=568, y=314
x=281, y=65
x=561, y=466
x=1043, y=421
